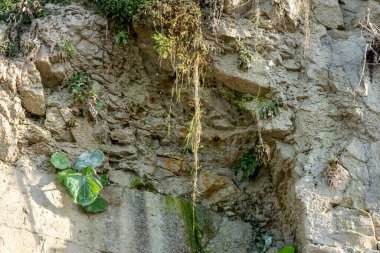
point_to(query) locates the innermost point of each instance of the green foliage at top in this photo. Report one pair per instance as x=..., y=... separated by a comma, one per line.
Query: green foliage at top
x=287, y=249
x=119, y=10
x=248, y=165
x=82, y=183
x=180, y=37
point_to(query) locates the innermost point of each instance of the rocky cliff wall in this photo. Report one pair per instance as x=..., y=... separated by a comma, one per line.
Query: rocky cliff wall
x=318, y=192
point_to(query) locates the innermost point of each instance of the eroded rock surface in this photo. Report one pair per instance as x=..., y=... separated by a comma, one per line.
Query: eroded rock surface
x=328, y=114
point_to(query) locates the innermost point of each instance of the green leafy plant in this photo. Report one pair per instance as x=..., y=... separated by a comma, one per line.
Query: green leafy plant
x=248, y=165
x=82, y=182
x=121, y=39
x=253, y=160
x=269, y=109
x=164, y=45
x=67, y=50
x=119, y=10
x=81, y=86
x=245, y=56
x=287, y=249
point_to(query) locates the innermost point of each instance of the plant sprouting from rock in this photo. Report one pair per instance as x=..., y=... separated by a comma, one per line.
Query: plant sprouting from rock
x=252, y=161
x=81, y=180
x=245, y=56
x=333, y=172
x=121, y=39
x=82, y=88
x=268, y=109
x=179, y=24
x=66, y=50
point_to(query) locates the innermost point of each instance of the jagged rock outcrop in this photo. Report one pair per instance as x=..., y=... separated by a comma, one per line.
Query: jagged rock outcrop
x=310, y=98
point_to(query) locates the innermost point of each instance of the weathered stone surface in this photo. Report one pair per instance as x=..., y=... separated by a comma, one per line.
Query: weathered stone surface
x=171, y=162
x=52, y=75
x=328, y=12
x=31, y=90
x=123, y=136
x=231, y=237
x=8, y=141
x=254, y=81
x=55, y=123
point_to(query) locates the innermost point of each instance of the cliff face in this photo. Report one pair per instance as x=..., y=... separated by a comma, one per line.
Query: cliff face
x=299, y=75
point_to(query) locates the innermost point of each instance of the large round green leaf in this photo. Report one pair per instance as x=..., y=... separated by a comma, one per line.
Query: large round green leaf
x=60, y=161
x=287, y=249
x=91, y=158
x=83, y=187
x=63, y=175
x=99, y=205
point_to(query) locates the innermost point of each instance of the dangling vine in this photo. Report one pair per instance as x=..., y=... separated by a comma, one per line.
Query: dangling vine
x=179, y=39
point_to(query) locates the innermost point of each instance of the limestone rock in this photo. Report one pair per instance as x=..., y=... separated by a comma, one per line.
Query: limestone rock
x=8, y=141
x=231, y=237
x=52, y=75
x=210, y=182
x=254, y=81
x=122, y=152
x=279, y=125
x=231, y=6
x=31, y=90
x=328, y=12
x=55, y=123
x=123, y=136
x=170, y=162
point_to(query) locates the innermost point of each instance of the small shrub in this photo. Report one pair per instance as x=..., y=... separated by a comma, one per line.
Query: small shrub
x=81, y=181
x=248, y=165
x=164, y=45
x=121, y=39
x=245, y=56
x=122, y=11
x=269, y=109
x=8, y=48
x=253, y=160
x=81, y=87
x=67, y=50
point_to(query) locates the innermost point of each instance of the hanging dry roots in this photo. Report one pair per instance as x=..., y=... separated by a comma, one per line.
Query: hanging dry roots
x=263, y=152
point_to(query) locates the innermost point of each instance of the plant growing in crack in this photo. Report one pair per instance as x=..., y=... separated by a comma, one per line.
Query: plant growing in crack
x=333, y=172
x=82, y=181
x=82, y=88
